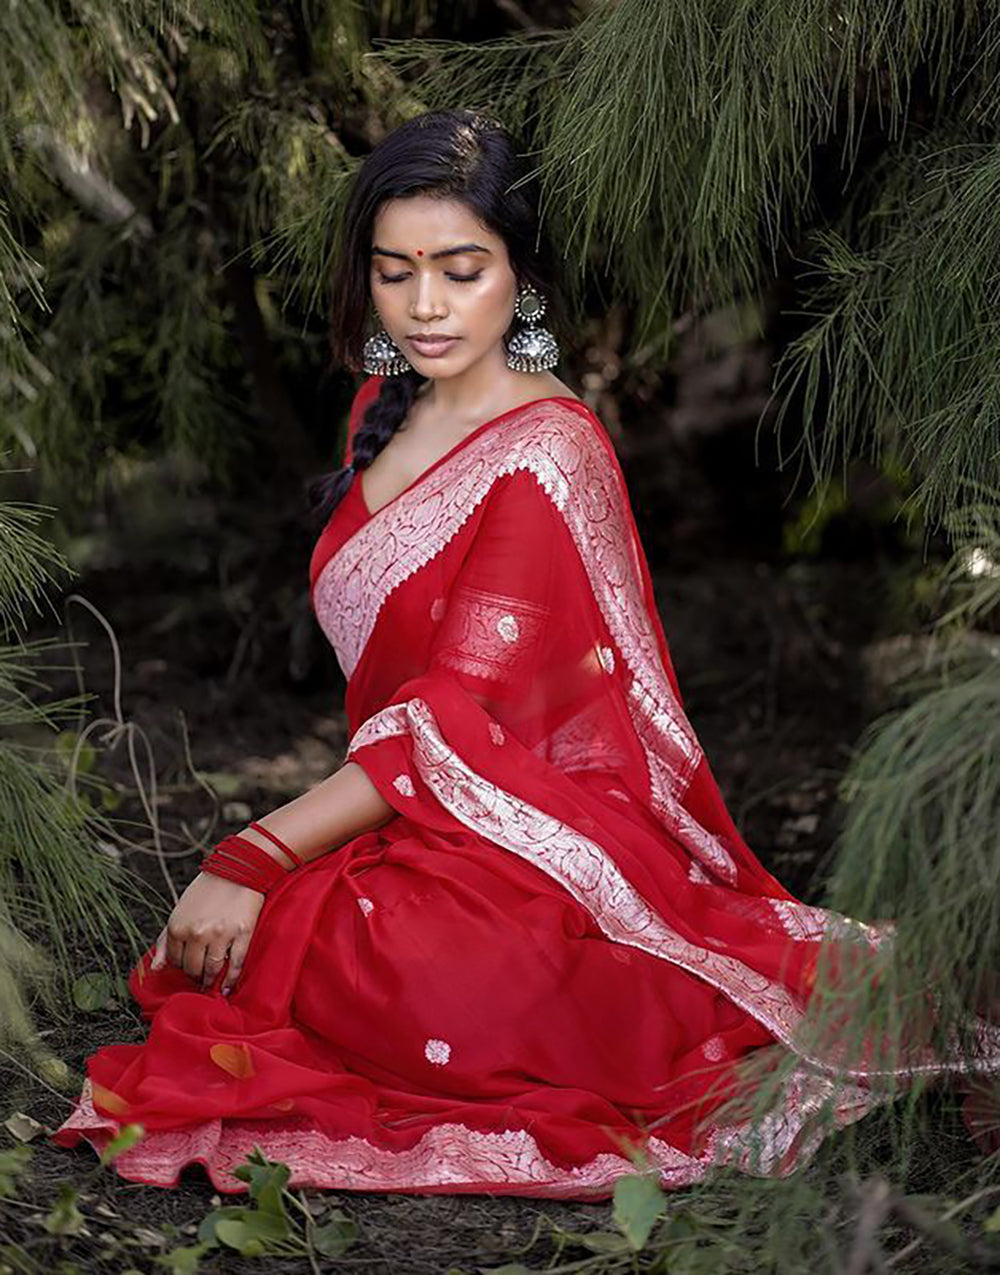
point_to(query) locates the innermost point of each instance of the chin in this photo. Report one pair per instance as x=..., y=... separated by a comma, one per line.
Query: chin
x=434, y=371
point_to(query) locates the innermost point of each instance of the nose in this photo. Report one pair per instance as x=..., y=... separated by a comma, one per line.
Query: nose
x=426, y=302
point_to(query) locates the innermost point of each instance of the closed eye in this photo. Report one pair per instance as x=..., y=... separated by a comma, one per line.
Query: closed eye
x=456, y=278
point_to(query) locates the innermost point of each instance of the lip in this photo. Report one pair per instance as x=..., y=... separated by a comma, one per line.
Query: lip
x=432, y=347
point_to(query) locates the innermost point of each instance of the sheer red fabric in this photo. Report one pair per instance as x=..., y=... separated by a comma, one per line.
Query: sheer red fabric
x=560, y=947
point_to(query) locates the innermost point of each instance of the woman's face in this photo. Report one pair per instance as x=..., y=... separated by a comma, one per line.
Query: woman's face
x=435, y=269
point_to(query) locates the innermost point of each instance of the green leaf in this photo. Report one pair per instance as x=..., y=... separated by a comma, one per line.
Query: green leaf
x=992, y=1223
x=185, y=1260
x=336, y=1235
x=65, y=1218
x=225, y=784
x=65, y=743
x=12, y=1164
x=244, y=1229
x=267, y=1181
x=240, y=1236
x=92, y=992
x=236, y=1233
x=127, y=1137
x=56, y=1072
x=252, y=1234
x=692, y=1261
x=206, y=1229
x=609, y=1242
x=110, y=799
x=683, y=1225
x=639, y=1201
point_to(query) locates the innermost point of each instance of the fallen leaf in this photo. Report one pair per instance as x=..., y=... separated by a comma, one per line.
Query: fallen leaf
x=23, y=1128
x=109, y=1100
x=92, y=992
x=235, y=1059
x=55, y=1071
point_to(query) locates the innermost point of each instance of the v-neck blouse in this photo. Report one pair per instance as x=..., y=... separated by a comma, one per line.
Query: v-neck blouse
x=353, y=512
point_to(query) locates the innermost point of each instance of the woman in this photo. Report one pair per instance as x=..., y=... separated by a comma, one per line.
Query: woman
x=516, y=937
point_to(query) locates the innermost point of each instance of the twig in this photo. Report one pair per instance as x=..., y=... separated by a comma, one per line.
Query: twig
x=119, y=726
x=948, y=1214
x=985, y=1255
x=36, y=1077
x=203, y=783
x=116, y=651
x=514, y=11
x=876, y=1203
x=149, y=803
x=247, y=634
x=310, y=1228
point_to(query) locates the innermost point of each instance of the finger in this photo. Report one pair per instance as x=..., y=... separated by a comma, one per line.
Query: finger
x=160, y=950
x=194, y=957
x=175, y=949
x=215, y=958
x=237, y=955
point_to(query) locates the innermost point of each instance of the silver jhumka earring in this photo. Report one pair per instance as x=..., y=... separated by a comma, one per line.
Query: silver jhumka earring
x=381, y=356
x=531, y=348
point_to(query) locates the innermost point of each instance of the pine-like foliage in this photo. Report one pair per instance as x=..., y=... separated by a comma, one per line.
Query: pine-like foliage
x=691, y=152
x=54, y=883
x=154, y=155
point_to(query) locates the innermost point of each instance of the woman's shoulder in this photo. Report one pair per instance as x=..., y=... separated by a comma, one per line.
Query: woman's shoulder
x=549, y=383
x=567, y=411
x=559, y=437
x=546, y=385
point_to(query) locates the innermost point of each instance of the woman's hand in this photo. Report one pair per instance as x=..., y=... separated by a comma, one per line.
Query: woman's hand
x=213, y=918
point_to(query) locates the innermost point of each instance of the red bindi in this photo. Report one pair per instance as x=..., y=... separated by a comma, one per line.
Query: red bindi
x=420, y=252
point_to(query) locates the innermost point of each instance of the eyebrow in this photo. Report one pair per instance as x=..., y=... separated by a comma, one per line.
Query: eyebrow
x=443, y=252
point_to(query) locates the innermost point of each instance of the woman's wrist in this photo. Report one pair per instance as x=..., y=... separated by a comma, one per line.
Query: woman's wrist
x=246, y=862
x=208, y=870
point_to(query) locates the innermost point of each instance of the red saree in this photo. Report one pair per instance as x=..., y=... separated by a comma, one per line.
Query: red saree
x=560, y=946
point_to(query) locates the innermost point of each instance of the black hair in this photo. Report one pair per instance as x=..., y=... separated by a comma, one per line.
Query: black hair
x=451, y=154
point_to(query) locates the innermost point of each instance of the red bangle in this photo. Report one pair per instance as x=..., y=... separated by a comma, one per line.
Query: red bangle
x=239, y=860
x=279, y=843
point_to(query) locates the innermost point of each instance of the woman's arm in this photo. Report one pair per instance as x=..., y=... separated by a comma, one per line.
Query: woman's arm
x=340, y=807
x=215, y=918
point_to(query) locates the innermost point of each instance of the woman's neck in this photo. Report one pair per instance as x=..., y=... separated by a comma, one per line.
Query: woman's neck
x=483, y=390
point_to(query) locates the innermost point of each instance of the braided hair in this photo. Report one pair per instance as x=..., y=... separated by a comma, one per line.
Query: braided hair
x=456, y=154
x=382, y=418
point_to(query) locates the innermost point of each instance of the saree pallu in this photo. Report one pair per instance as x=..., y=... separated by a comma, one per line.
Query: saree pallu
x=559, y=948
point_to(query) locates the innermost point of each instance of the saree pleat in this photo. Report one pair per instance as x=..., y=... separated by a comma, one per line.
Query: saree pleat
x=560, y=949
